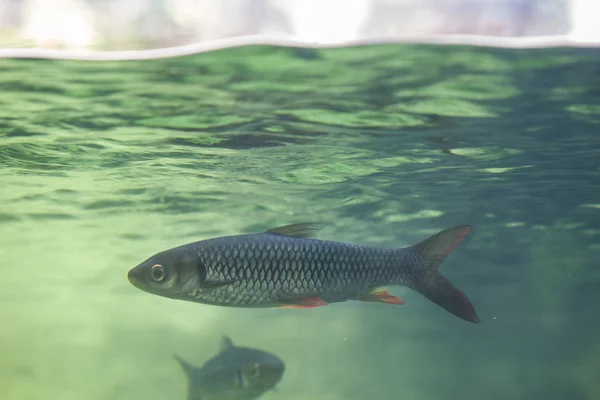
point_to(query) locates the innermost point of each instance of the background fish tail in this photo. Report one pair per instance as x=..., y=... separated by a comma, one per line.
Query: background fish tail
x=435, y=286
x=187, y=368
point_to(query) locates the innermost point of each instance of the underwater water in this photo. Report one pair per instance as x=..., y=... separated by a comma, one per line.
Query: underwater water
x=106, y=163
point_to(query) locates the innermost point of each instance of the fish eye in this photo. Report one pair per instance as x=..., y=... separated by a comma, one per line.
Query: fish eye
x=255, y=370
x=157, y=272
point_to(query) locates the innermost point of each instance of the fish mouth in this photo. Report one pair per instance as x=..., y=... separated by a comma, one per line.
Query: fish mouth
x=133, y=278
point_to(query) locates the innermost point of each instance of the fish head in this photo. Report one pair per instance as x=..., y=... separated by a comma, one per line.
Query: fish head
x=260, y=372
x=167, y=273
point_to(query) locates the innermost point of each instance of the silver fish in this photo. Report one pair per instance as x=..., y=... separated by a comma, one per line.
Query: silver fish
x=235, y=373
x=287, y=267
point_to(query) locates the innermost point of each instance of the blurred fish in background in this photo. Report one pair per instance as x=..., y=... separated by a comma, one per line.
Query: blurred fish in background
x=235, y=373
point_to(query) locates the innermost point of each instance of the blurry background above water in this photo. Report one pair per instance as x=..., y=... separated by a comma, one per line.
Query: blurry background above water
x=102, y=25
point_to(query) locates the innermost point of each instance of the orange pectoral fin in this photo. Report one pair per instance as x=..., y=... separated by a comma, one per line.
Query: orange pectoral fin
x=303, y=302
x=382, y=296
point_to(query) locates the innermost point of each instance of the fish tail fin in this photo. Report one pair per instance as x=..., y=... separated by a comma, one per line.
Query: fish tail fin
x=433, y=251
x=185, y=366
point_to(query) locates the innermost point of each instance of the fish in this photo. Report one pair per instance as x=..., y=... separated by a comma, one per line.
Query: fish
x=287, y=267
x=235, y=373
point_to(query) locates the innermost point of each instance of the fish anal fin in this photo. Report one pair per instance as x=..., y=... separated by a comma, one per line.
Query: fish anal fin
x=298, y=230
x=302, y=302
x=381, y=296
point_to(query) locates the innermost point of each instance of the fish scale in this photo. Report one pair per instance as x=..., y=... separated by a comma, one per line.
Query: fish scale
x=287, y=267
x=300, y=266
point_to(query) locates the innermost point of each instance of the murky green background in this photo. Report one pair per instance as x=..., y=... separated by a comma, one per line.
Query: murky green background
x=104, y=164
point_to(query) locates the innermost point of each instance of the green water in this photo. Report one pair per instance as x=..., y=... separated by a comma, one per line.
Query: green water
x=105, y=164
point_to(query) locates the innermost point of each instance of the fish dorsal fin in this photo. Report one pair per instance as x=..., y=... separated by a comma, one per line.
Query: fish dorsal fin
x=185, y=366
x=226, y=343
x=298, y=230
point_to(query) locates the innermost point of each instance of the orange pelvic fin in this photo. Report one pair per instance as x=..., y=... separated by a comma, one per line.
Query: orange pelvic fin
x=304, y=302
x=382, y=296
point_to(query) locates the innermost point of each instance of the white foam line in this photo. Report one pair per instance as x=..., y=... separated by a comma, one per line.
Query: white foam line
x=531, y=42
